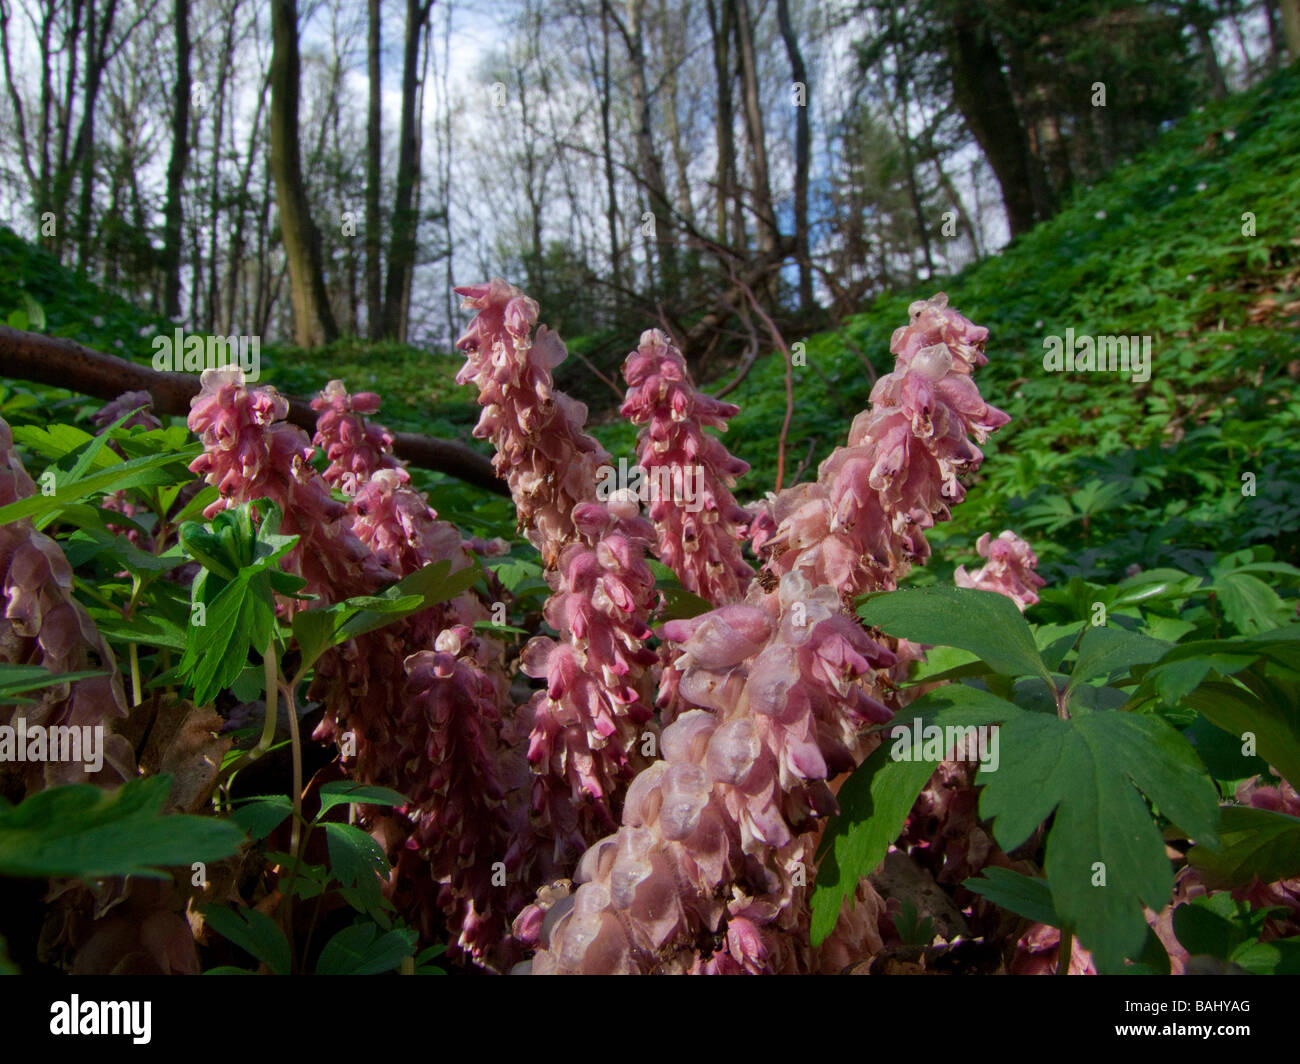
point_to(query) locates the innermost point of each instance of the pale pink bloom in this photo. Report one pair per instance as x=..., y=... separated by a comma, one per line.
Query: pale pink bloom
x=772, y=697
x=1009, y=570
x=356, y=448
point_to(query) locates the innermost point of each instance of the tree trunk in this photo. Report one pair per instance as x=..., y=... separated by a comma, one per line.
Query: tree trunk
x=374, y=147
x=768, y=234
x=799, y=74
x=1202, y=21
x=171, y=249
x=607, y=151
x=402, y=247
x=648, y=161
x=313, y=321
x=1291, y=26
x=721, y=28
x=984, y=98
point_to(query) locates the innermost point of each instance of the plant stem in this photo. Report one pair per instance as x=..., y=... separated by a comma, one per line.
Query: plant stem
x=295, y=743
x=1064, y=952
x=134, y=654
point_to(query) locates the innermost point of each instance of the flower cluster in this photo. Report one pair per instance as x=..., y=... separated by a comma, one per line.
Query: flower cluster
x=356, y=449
x=250, y=452
x=587, y=721
x=700, y=525
x=724, y=826
x=775, y=694
x=41, y=623
x=1009, y=570
x=860, y=525
x=541, y=451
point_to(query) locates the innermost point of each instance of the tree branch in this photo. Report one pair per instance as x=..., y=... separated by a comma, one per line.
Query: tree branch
x=67, y=364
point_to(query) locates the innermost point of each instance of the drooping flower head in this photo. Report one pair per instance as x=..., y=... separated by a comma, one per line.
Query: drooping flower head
x=774, y=696
x=699, y=523
x=1009, y=570
x=541, y=451
x=356, y=448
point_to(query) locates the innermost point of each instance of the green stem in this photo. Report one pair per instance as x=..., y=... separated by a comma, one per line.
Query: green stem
x=1064, y=952
x=134, y=654
x=295, y=743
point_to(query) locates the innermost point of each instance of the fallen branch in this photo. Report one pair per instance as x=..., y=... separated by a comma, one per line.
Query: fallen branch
x=67, y=364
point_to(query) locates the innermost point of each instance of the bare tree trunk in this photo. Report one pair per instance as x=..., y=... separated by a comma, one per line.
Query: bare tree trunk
x=607, y=151
x=648, y=161
x=374, y=147
x=802, y=140
x=984, y=98
x=402, y=247
x=768, y=234
x=171, y=249
x=313, y=320
x=1291, y=26
x=721, y=27
x=212, y=310
x=1202, y=21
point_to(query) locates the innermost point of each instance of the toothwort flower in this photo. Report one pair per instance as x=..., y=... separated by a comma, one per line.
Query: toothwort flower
x=1009, y=570
x=718, y=838
x=700, y=526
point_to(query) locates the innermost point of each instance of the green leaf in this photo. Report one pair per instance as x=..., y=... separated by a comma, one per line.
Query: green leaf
x=1278, y=957
x=985, y=623
x=139, y=472
x=319, y=629
x=875, y=800
x=1105, y=651
x=348, y=792
x=216, y=652
x=145, y=627
x=1249, y=604
x=1254, y=844
x=357, y=861
x=1025, y=896
x=680, y=604
x=362, y=950
x=1267, y=709
x=83, y=831
x=254, y=932
x=262, y=817
x=1203, y=932
x=1088, y=770
x=23, y=679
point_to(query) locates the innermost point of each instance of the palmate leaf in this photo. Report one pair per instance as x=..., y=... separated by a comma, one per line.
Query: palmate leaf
x=1105, y=854
x=254, y=932
x=1025, y=896
x=319, y=629
x=362, y=950
x=23, y=679
x=139, y=472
